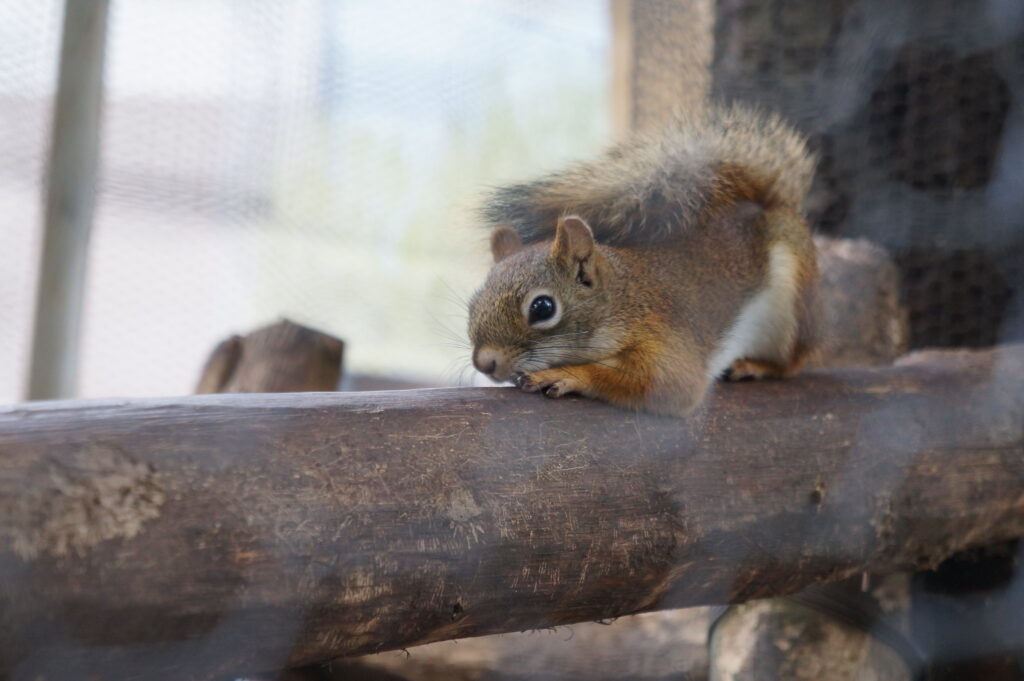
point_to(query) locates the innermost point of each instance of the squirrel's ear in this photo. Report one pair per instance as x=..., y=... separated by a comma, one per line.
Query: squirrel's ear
x=504, y=242
x=574, y=240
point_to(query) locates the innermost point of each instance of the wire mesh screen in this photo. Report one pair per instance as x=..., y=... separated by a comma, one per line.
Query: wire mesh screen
x=320, y=159
x=29, y=33
x=917, y=111
x=316, y=159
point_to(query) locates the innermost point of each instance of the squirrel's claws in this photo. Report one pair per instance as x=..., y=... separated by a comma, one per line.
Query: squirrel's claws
x=525, y=382
x=552, y=382
x=557, y=389
x=729, y=376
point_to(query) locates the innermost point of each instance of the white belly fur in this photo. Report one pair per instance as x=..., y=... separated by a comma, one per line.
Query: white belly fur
x=766, y=326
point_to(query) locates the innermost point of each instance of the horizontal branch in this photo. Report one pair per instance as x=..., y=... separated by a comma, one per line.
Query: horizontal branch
x=231, y=534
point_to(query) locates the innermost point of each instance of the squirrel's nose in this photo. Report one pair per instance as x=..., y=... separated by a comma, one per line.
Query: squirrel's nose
x=485, y=360
x=490, y=361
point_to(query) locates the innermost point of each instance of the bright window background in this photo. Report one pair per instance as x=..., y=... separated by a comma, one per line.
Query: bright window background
x=315, y=159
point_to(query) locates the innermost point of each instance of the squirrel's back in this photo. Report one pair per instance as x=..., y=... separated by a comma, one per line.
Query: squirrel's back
x=653, y=187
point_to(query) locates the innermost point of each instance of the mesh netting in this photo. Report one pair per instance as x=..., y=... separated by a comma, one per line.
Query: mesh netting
x=314, y=159
x=321, y=160
x=917, y=111
x=28, y=75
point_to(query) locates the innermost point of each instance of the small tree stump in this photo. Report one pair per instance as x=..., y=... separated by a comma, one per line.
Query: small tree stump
x=280, y=358
x=782, y=638
x=864, y=322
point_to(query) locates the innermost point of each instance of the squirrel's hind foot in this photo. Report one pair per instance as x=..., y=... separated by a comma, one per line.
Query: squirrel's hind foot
x=752, y=370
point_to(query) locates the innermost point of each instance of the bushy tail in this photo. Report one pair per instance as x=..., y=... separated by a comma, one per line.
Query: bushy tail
x=655, y=186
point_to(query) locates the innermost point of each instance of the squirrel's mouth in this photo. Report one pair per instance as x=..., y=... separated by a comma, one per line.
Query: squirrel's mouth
x=502, y=365
x=526, y=362
x=502, y=377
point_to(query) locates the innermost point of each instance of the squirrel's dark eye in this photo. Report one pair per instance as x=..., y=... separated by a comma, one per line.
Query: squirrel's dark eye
x=542, y=308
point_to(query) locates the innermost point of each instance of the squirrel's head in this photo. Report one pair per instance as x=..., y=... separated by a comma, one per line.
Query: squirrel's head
x=543, y=305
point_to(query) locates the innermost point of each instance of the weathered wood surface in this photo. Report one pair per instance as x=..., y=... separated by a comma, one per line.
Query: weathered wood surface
x=234, y=533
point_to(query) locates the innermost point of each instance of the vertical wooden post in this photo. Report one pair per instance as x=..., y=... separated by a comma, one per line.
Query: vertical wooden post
x=661, y=54
x=622, y=61
x=71, y=187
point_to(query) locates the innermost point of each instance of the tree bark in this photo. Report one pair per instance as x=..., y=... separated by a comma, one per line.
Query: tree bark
x=219, y=535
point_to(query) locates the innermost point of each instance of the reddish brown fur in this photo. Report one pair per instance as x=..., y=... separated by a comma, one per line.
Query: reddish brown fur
x=733, y=184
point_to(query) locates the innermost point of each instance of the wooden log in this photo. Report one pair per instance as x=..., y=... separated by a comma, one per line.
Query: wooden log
x=232, y=533
x=281, y=357
x=661, y=54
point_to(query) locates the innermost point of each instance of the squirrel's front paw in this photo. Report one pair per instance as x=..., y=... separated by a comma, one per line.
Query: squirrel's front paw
x=525, y=382
x=553, y=382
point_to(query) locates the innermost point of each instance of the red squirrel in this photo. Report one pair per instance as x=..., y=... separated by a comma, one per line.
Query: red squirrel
x=641, y=277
